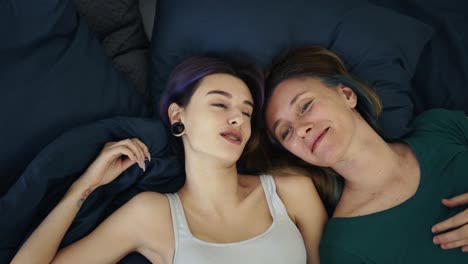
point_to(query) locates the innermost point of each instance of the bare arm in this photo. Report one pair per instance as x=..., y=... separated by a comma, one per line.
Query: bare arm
x=45, y=240
x=42, y=245
x=305, y=209
x=143, y=224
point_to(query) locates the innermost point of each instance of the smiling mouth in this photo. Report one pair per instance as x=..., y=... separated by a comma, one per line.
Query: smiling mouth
x=319, y=139
x=232, y=137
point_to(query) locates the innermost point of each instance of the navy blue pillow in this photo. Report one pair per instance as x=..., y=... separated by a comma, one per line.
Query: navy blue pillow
x=54, y=75
x=441, y=78
x=379, y=46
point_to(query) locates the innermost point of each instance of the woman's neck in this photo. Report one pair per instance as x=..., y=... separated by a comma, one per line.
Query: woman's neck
x=212, y=183
x=371, y=163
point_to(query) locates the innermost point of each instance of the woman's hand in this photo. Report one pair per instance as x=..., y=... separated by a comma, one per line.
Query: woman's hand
x=43, y=243
x=458, y=236
x=110, y=163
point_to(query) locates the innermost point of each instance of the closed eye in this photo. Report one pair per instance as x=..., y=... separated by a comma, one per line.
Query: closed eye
x=285, y=133
x=247, y=114
x=305, y=107
x=220, y=105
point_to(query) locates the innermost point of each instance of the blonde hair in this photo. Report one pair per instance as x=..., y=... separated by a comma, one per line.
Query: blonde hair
x=323, y=64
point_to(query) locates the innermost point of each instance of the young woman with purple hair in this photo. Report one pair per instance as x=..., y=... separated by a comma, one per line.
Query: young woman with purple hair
x=219, y=215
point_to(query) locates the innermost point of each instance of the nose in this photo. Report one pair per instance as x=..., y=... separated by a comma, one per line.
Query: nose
x=303, y=130
x=236, y=119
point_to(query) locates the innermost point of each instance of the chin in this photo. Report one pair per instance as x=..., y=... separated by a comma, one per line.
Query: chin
x=229, y=157
x=233, y=159
x=327, y=161
x=320, y=159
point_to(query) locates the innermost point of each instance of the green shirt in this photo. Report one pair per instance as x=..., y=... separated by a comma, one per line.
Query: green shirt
x=402, y=234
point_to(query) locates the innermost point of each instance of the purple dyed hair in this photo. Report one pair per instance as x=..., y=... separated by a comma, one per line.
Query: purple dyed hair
x=186, y=76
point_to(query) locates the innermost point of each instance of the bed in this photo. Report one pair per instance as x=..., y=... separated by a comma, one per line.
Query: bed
x=69, y=85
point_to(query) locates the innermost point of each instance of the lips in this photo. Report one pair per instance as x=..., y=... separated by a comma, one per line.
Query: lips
x=232, y=136
x=318, y=139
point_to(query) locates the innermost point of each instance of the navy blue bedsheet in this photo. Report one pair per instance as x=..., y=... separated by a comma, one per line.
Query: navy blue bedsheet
x=54, y=75
x=50, y=174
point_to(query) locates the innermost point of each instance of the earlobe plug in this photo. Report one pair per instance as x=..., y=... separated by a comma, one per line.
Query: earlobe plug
x=177, y=129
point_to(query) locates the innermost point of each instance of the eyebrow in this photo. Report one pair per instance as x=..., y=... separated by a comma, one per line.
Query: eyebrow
x=228, y=95
x=277, y=122
x=295, y=98
x=275, y=126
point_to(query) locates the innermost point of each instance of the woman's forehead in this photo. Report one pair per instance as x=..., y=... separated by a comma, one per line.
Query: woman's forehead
x=288, y=90
x=224, y=82
x=300, y=83
x=287, y=93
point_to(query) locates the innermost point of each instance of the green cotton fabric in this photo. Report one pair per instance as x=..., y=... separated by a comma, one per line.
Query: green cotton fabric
x=402, y=234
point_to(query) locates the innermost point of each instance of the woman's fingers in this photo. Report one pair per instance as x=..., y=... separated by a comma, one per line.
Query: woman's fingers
x=136, y=146
x=459, y=236
x=141, y=149
x=144, y=148
x=110, y=164
x=456, y=201
x=454, y=239
x=127, y=163
x=452, y=222
x=456, y=244
x=127, y=151
x=137, y=150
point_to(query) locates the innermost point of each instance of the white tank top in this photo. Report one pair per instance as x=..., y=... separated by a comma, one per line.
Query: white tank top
x=280, y=243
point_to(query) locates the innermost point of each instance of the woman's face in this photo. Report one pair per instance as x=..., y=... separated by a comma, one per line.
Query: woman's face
x=313, y=121
x=217, y=118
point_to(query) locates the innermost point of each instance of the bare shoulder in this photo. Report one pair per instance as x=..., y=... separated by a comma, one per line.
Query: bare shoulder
x=148, y=204
x=149, y=199
x=298, y=192
x=152, y=212
x=293, y=184
x=153, y=208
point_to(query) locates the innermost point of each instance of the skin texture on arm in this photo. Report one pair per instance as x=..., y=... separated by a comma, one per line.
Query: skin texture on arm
x=45, y=240
x=305, y=209
x=42, y=245
x=114, y=238
x=143, y=224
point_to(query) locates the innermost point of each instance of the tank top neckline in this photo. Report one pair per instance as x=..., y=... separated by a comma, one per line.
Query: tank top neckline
x=228, y=244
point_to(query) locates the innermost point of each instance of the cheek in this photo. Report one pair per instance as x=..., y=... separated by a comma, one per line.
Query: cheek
x=248, y=127
x=295, y=147
x=199, y=129
x=271, y=112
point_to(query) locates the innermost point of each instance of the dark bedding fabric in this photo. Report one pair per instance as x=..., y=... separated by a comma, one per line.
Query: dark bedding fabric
x=379, y=46
x=50, y=174
x=54, y=75
x=119, y=28
x=441, y=77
